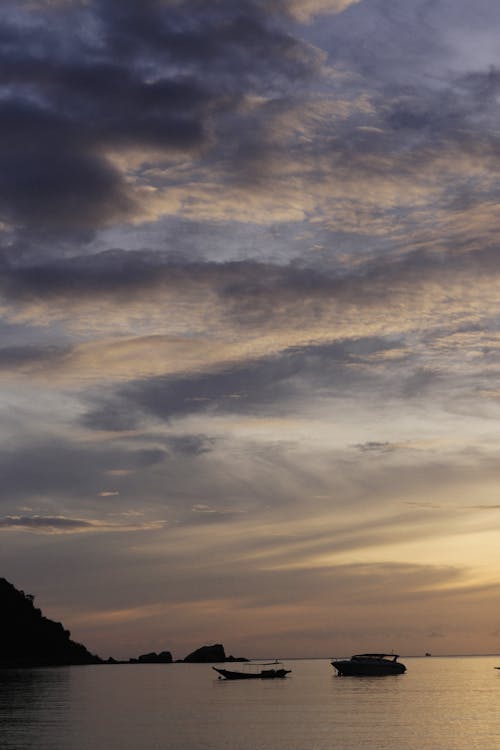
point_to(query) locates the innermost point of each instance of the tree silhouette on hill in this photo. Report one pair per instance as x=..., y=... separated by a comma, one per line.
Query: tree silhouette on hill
x=28, y=639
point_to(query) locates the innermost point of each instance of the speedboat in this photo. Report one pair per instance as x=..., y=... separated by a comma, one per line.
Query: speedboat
x=268, y=671
x=369, y=664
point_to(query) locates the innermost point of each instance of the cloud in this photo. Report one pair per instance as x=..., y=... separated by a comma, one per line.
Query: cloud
x=67, y=470
x=271, y=385
x=41, y=156
x=44, y=523
x=191, y=445
x=63, y=525
x=218, y=326
x=115, y=87
x=31, y=356
x=305, y=10
x=376, y=447
x=207, y=112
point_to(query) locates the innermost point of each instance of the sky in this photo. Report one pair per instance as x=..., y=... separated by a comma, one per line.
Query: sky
x=250, y=323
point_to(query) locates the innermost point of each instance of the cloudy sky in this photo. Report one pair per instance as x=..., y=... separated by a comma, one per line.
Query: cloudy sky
x=250, y=322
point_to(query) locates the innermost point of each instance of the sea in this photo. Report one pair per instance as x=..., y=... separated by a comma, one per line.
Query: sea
x=440, y=703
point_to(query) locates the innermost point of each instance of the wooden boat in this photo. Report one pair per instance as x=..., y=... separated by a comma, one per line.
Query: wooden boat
x=369, y=665
x=268, y=671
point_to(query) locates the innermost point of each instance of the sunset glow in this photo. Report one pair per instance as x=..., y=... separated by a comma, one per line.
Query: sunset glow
x=249, y=306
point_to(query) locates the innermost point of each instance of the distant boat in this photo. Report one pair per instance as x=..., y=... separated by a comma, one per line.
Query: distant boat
x=268, y=671
x=369, y=665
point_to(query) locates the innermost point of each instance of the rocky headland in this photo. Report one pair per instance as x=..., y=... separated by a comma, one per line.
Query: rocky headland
x=28, y=639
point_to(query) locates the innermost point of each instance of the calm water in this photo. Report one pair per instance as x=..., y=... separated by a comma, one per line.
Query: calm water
x=439, y=704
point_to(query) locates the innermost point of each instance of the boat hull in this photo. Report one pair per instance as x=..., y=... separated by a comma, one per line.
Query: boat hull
x=348, y=669
x=369, y=665
x=265, y=674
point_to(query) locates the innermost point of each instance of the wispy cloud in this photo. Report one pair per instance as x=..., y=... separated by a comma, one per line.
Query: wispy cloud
x=63, y=525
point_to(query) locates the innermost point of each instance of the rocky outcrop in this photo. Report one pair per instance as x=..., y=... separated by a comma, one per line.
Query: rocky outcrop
x=28, y=639
x=164, y=657
x=209, y=654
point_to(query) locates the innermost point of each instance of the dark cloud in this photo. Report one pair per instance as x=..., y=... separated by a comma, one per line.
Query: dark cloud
x=114, y=83
x=267, y=385
x=107, y=273
x=191, y=445
x=172, y=77
x=423, y=121
x=435, y=112
x=49, y=175
x=112, y=414
x=30, y=355
x=64, y=470
x=223, y=38
x=376, y=447
x=252, y=291
x=43, y=523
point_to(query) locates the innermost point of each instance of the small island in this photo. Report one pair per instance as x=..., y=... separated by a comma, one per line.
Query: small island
x=209, y=654
x=203, y=655
x=165, y=657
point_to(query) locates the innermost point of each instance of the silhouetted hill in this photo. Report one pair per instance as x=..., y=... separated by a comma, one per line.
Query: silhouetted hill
x=28, y=639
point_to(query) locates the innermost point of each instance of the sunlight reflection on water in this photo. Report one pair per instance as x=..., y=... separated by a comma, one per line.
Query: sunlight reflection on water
x=439, y=704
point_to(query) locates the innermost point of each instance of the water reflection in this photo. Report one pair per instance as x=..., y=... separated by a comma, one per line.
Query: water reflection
x=438, y=704
x=32, y=705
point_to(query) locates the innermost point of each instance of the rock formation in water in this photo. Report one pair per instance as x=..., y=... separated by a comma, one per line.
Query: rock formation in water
x=208, y=654
x=28, y=639
x=164, y=657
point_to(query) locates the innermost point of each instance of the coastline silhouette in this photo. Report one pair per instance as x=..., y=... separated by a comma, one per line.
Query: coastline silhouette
x=28, y=639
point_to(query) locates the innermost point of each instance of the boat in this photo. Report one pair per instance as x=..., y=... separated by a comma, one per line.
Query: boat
x=369, y=665
x=268, y=671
